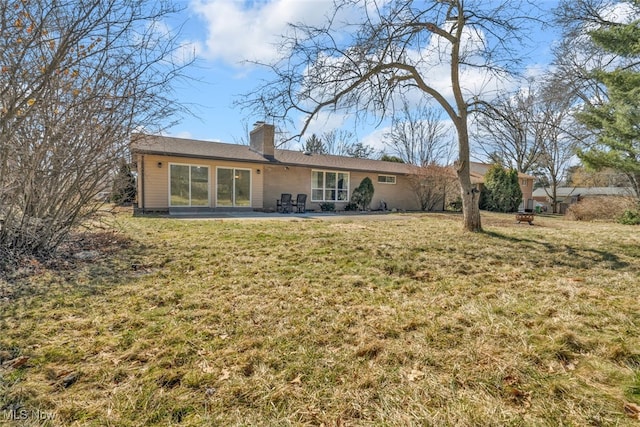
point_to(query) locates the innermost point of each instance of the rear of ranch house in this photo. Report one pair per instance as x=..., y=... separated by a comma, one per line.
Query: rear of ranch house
x=181, y=176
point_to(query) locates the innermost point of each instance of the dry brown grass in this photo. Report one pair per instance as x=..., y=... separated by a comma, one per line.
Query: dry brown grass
x=354, y=321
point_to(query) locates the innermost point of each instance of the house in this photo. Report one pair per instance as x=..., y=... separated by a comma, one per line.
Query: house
x=478, y=170
x=181, y=175
x=178, y=175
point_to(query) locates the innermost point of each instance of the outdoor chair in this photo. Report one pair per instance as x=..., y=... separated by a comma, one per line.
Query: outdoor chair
x=284, y=204
x=300, y=203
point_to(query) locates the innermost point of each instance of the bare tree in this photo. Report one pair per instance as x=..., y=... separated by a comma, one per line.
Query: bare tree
x=338, y=141
x=369, y=53
x=560, y=135
x=434, y=186
x=606, y=62
x=77, y=77
x=577, y=56
x=508, y=129
x=419, y=136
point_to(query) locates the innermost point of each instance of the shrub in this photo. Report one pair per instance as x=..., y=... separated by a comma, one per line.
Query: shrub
x=327, y=207
x=433, y=186
x=630, y=217
x=501, y=191
x=456, y=205
x=601, y=208
x=351, y=206
x=363, y=195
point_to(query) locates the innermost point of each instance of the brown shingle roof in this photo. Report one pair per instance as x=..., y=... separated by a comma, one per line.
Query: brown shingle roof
x=170, y=146
x=297, y=158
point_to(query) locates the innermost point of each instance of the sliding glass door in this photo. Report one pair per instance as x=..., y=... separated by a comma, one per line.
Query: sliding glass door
x=233, y=187
x=189, y=185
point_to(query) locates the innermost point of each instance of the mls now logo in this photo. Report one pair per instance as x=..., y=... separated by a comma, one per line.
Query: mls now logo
x=25, y=414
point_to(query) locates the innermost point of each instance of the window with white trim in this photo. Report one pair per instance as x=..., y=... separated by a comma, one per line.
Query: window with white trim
x=329, y=186
x=387, y=179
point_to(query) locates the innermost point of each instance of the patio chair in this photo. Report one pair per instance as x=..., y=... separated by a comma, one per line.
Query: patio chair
x=284, y=203
x=300, y=203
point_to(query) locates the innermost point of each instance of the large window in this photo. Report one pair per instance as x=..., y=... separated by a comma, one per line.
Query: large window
x=234, y=187
x=328, y=186
x=189, y=185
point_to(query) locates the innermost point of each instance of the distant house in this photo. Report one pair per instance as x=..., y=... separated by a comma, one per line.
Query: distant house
x=182, y=175
x=566, y=196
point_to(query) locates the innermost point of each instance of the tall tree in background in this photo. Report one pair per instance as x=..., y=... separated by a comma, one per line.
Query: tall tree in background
x=508, y=129
x=419, y=136
x=369, y=54
x=559, y=137
x=76, y=78
x=314, y=145
x=616, y=122
x=361, y=151
x=343, y=143
x=338, y=141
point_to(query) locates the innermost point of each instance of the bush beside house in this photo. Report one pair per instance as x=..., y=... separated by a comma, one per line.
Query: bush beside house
x=501, y=191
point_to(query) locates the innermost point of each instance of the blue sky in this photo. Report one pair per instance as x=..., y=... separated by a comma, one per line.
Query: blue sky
x=224, y=33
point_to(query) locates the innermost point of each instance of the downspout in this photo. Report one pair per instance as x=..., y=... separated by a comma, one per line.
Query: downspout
x=142, y=183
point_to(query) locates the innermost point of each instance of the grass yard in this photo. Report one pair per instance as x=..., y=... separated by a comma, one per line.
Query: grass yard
x=346, y=322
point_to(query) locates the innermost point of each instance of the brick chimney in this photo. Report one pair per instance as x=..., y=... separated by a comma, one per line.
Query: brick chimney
x=262, y=139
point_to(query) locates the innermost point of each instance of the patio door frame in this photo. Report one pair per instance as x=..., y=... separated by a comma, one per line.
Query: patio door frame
x=236, y=178
x=189, y=183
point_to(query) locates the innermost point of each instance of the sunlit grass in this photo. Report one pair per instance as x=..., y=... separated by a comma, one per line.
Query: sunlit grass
x=353, y=321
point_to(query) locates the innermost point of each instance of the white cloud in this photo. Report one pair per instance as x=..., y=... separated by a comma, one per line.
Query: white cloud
x=375, y=139
x=325, y=121
x=250, y=30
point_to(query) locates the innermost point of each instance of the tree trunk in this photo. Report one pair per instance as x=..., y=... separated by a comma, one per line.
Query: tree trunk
x=470, y=194
x=470, y=199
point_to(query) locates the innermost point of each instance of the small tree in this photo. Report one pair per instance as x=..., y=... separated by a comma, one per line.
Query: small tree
x=363, y=195
x=501, y=192
x=124, y=185
x=432, y=186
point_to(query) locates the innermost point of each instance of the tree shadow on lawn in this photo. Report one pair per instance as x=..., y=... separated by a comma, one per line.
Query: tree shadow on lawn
x=87, y=264
x=566, y=255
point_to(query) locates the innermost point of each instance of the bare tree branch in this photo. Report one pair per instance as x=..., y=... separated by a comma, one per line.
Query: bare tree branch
x=77, y=78
x=386, y=52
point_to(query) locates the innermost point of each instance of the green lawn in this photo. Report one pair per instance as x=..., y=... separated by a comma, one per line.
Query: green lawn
x=353, y=321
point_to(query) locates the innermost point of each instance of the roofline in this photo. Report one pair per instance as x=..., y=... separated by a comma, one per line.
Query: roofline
x=195, y=156
x=274, y=162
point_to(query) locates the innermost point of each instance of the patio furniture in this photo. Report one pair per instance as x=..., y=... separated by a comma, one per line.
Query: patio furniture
x=284, y=204
x=300, y=203
x=525, y=216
